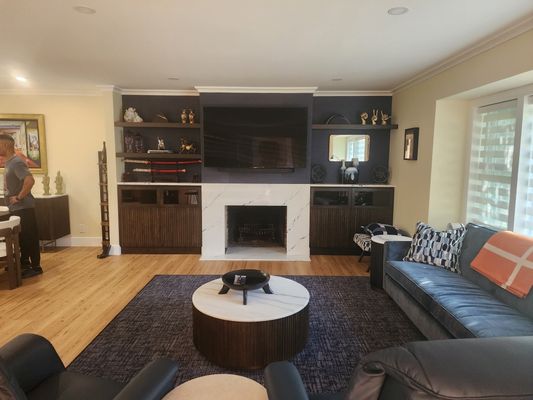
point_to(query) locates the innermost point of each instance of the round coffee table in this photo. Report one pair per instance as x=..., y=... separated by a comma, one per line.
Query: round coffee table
x=271, y=327
x=220, y=387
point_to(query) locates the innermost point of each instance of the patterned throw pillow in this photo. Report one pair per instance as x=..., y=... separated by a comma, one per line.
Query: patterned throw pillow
x=438, y=248
x=375, y=229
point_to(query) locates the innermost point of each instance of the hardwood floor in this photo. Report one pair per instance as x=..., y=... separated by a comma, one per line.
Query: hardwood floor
x=78, y=294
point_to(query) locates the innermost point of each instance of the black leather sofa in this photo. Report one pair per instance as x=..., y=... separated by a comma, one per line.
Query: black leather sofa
x=487, y=368
x=35, y=372
x=444, y=304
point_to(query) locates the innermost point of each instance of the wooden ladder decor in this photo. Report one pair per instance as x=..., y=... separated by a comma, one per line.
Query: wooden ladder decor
x=104, y=203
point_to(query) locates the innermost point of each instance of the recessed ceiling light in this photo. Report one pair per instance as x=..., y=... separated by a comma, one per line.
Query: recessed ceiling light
x=21, y=79
x=84, y=10
x=397, y=10
x=336, y=79
x=173, y=79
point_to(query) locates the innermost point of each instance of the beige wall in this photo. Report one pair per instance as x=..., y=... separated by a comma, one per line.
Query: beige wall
x=75, y=130
x=419, y=194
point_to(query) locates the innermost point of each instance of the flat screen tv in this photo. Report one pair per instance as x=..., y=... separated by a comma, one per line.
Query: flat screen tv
x=255, y=137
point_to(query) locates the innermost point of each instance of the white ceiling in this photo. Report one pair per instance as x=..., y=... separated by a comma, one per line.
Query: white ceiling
x=139, y=44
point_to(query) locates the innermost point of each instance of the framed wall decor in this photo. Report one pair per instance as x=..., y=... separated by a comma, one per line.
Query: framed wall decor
x=30, y=143
x=410, y=144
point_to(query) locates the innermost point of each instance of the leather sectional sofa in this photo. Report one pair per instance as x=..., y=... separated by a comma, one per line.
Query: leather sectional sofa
x=444, y=304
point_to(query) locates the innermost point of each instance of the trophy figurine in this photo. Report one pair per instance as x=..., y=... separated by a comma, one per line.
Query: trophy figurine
x=364, y=117
x=160, y=143
x=374, y=117
x=384, y=118
x=191, y=117
x=184, y=116
x=59, y=183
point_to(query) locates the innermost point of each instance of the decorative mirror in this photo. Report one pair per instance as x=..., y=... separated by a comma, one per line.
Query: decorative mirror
x=346, y=147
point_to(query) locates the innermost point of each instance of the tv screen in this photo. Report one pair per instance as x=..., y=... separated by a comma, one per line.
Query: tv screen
x=255, y=137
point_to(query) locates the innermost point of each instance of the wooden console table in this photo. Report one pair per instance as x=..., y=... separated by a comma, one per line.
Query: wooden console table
x=53, y=218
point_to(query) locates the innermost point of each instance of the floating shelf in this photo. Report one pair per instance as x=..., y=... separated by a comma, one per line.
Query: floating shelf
x=351, y=127
x=171, y=125
x=160, y=156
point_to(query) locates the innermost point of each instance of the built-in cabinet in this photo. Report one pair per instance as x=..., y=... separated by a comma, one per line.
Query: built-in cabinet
x=160, y=219
x=339, y=212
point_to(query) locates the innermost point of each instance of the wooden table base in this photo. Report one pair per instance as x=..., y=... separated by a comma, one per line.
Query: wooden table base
x=250, y=345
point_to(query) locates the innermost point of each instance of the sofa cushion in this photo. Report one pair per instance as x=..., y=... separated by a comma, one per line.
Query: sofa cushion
x=438, y=248
x=72, y=386
x=462, y=307
x=9, y=387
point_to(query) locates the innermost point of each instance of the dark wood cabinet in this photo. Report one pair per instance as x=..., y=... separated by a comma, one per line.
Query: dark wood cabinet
x=339, y=212
x=53, y=218
x=160, y=219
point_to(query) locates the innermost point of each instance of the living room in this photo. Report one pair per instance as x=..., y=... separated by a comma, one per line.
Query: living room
x=178, y=199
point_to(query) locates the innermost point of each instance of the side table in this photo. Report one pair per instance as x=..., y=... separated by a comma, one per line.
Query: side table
x=220, y=387
x=376, y=258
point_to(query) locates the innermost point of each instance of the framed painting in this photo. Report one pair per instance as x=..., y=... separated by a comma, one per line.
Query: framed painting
x=410, y=144
x=30, y=143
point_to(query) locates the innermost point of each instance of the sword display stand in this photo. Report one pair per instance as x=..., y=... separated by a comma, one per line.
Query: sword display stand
x=104, y=203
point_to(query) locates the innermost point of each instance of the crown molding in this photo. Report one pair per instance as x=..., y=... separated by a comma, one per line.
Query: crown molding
x=159, y=92
x=110, y=88
x=480, y=47
x=46, y=92
x=351, y=93
x=255, y=89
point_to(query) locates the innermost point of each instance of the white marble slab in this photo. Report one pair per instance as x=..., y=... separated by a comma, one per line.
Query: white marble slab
x=216, y=196
x=288, y=298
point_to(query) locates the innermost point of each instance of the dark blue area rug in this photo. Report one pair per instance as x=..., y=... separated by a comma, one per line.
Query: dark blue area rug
x=347, y=320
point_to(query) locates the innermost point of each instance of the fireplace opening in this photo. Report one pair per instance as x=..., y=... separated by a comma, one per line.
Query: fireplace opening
x=256, y=226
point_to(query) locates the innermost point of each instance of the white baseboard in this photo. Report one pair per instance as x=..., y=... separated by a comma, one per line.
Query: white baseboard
x=78, y=241
x=116, y=250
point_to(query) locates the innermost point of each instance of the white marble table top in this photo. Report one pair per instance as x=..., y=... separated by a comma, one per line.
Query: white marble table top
x=380, y=239
x=289, y=297
x=220, y=387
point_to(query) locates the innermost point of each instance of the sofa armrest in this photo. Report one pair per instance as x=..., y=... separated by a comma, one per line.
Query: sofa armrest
x=153, y=382
x=395, y=250
x=31, y=359
x=283, y=382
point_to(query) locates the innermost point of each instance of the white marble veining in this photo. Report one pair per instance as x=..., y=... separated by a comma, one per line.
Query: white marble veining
x=288, y=298
x=216, y=196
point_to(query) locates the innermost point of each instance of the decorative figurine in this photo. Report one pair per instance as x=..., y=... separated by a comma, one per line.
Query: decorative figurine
x=374, y=117
x=184, y=116
x=139, y=143
x=351, y=175
x=187, y=147
x=131, y=115
x=160, y=143
x=59, y=183
x=46, y=185
x=343, y=170
x=384, y=118
x=160, y=117
x=364, y=117
x=191, y=117
x=128, y=143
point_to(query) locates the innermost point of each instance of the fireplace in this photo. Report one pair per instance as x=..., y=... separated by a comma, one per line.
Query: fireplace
x=256, y=226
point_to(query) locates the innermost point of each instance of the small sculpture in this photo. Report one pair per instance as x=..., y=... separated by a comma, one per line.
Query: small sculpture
x=160, y=143
x=59, y=183
x=191, y=117
x=187, y=147
x=160, y=117
x=139, y=143
x=184, y=116
x=374, y=117
x=131, y=115
x=46, y=185
x=384, y=118
x=364, y=117
x=351, y=174
x=343, y=170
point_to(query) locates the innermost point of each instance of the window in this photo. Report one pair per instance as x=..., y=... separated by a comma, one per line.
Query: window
x=500, y=180
x=356, y=147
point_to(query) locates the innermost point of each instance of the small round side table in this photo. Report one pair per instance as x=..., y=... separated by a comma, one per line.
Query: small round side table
x=220, y=387
x=376, y=257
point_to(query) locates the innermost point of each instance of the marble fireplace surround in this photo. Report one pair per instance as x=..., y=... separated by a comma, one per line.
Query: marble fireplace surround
x=216, y=196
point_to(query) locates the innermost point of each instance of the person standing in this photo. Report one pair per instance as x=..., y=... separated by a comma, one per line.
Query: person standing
x=18, y=182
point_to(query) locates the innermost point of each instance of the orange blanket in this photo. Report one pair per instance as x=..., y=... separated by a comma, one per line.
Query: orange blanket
x=507, y=260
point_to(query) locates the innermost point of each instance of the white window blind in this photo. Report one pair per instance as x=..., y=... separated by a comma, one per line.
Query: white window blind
x=524, y=189
x=491, y=164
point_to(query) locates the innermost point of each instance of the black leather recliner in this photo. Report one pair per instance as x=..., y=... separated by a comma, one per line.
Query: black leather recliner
x=33, y=365
x=488, y=368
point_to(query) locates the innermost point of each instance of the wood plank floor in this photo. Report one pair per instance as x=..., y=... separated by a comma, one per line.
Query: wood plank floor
x=78, y=294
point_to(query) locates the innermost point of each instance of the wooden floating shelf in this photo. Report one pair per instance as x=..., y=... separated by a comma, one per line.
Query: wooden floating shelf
x=160, y=156
x=351, y=127
x=172, y=125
